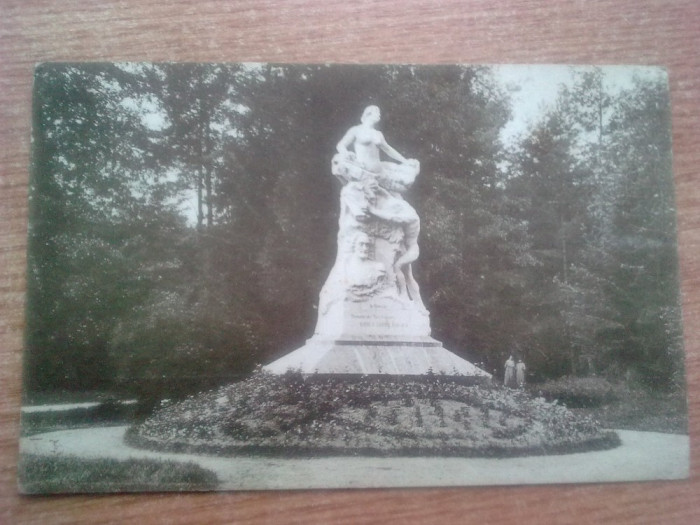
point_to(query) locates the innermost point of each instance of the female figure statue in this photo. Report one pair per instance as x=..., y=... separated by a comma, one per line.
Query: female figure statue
x=367, y=141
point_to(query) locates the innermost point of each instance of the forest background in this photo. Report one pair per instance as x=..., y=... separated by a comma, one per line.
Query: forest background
x=183, y=219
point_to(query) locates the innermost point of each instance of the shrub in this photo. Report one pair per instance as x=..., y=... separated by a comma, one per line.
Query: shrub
x=108, y=412
x=577, y=392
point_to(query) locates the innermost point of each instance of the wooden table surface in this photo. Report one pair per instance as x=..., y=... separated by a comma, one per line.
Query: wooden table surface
x=649, y=32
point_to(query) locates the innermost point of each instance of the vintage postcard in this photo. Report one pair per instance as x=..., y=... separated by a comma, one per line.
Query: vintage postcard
x=267, y=276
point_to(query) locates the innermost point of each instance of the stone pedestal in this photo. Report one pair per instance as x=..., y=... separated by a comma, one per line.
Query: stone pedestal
x=381, y=336
x=379, y=318
x=378, y=357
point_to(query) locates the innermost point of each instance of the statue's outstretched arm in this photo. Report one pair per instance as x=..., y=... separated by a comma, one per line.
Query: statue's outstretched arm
x=384, y=146
x=347, y=141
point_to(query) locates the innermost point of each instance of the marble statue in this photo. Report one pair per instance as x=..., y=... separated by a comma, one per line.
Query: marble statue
x=371, y=318
x=372, y=204
x=382, y=184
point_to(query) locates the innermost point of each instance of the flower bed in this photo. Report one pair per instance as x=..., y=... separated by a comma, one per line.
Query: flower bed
x=290, y=416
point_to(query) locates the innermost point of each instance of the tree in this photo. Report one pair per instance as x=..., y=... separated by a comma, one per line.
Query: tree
x=184, y=219
x=595, y=179
x=100, y=211
x=644, y=287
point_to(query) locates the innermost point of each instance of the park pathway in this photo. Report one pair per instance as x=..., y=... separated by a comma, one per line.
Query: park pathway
x=642, y=456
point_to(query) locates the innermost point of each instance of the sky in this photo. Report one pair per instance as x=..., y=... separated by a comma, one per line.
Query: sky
x=534, y=88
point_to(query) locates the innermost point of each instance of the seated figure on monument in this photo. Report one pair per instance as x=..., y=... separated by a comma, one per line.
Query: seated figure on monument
x=371, y=201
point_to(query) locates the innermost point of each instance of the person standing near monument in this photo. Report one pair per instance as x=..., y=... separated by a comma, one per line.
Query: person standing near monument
x=509, y=376
x=520, y=373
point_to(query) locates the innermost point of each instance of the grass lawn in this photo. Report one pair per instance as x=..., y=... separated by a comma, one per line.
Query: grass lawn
x=42, y=474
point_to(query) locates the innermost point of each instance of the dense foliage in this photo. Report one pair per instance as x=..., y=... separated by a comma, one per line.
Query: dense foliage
x=579, y=392
x=183, y=220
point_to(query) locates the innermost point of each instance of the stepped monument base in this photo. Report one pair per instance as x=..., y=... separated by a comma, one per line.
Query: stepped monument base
x=375, y=358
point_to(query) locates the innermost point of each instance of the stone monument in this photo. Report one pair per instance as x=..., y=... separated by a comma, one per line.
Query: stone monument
x=371, y=318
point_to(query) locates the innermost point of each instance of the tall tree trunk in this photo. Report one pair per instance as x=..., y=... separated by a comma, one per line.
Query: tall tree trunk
x=200, y=210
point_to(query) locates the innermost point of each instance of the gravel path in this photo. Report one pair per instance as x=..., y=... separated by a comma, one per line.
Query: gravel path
x=642, y=456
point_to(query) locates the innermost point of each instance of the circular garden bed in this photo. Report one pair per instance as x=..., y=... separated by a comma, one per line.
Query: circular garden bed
x=292, y=415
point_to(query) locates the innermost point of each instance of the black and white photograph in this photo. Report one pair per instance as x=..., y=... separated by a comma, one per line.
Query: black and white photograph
x=256, y=276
